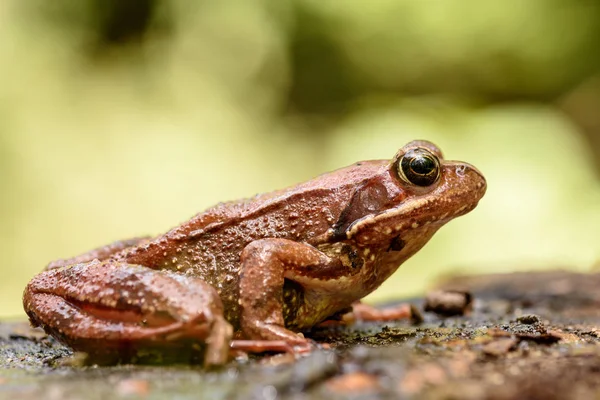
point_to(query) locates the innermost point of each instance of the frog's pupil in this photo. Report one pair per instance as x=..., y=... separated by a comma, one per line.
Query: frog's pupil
x=422, y=165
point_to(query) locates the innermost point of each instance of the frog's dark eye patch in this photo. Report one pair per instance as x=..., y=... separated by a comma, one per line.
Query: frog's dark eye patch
x=419, y=167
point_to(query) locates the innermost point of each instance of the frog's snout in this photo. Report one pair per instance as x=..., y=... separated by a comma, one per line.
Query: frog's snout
x=464, y=185
x=467, y=186
x=478, y=178
x=469, y=171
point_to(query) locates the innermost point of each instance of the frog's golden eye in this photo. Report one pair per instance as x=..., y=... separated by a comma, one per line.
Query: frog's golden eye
x=419, y=167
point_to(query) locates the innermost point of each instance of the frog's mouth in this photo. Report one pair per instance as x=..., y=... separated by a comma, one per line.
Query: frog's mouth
x=457, y=193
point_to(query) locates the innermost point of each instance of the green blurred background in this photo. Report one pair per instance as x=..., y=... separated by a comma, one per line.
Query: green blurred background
x=123, y=118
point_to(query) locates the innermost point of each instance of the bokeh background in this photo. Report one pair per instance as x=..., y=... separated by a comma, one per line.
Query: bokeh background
x=124, y=118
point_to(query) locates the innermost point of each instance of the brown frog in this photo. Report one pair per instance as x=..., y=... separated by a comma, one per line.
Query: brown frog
x=266, y=267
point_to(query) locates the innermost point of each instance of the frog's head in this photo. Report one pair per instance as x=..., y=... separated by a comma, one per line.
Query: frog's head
x=411, y=198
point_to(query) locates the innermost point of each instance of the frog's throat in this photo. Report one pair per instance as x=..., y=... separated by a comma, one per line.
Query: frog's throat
x=411, y=215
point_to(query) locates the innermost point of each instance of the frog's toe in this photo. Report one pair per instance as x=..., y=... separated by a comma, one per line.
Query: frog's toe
x=307, y=347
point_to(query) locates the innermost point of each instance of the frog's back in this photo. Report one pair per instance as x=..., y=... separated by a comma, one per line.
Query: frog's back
x=314, y=195
x=298, y=213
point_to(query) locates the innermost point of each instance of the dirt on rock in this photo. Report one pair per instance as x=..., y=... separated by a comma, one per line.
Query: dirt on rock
x=527, y=336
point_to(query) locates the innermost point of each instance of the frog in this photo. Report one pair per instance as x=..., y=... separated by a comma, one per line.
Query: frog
x=257, y=273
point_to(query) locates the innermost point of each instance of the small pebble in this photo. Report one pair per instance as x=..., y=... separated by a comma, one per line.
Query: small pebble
x=138, y=387
x=529, y=319
x=354, y=382
x=449, y=302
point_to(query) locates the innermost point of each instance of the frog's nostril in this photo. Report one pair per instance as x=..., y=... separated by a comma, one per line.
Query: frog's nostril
x=460, y=170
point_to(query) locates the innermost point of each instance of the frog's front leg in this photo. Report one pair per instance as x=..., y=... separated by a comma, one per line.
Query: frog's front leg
x=113, y=310
x=266, y=263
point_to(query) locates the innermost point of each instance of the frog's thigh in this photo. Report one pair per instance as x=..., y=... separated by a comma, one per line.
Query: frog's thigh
x=100, y=253
x=111, y=308
x=265, y=265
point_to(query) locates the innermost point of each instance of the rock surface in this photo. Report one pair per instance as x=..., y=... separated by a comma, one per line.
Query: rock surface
x=529, y=335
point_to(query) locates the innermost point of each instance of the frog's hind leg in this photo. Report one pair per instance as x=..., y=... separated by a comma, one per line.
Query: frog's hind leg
x=117, y=311
x=100, y=253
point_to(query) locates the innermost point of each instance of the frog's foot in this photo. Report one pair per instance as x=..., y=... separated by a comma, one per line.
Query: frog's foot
x=365, y=312
x=114, y=310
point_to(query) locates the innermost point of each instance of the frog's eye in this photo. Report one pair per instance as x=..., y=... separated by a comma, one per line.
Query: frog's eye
x=419, y=167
